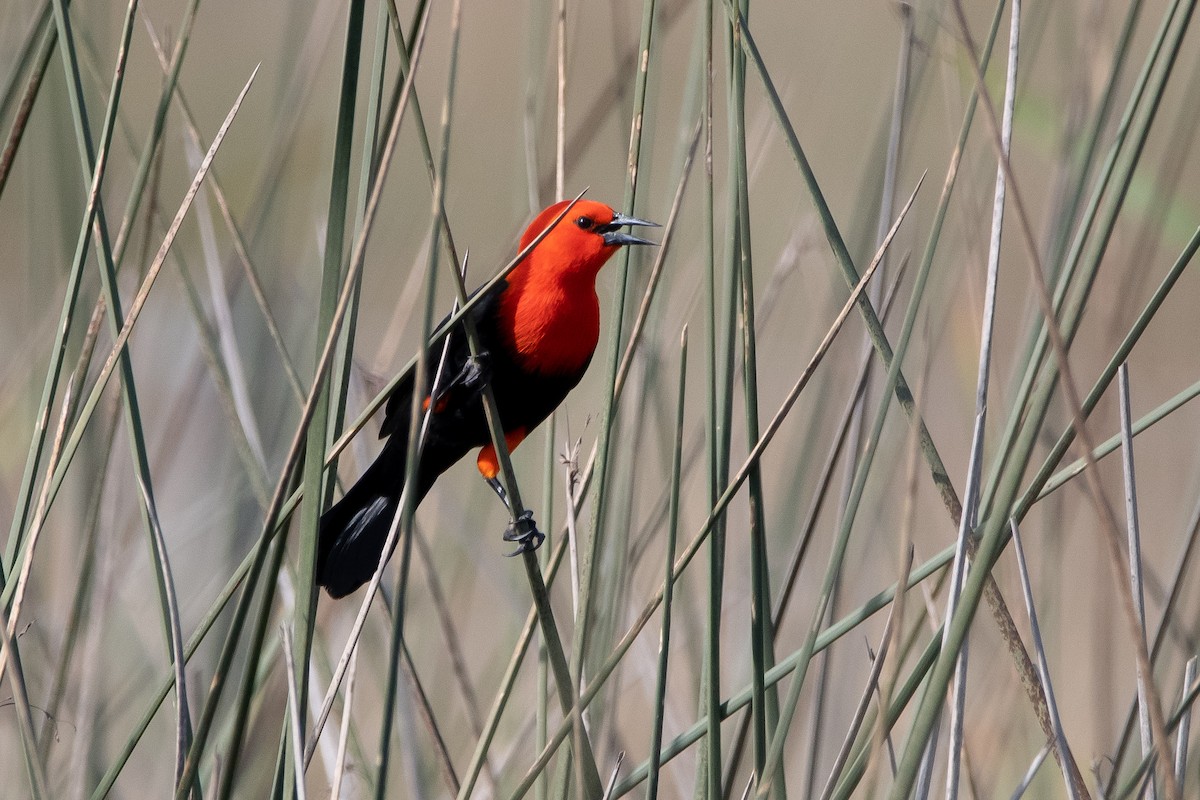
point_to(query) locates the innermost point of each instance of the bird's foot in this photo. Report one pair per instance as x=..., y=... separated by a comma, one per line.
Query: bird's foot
x=523, y=530
x=477, y=371
x=521, y=527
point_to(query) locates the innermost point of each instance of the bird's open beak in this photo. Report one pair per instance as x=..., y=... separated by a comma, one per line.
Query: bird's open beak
x=614, y=237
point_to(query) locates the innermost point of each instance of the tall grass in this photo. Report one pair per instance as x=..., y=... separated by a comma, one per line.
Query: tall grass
x=248, y=219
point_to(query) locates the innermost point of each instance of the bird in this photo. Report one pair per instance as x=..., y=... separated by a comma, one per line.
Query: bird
x=537, y=331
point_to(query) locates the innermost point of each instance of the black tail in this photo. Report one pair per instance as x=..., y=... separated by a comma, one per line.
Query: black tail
x=354, y=530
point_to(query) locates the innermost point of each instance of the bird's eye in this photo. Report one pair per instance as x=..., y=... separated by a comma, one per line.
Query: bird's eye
x=585, y=223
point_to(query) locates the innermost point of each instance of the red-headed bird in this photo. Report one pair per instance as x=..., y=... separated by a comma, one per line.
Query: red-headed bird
x=537, y=331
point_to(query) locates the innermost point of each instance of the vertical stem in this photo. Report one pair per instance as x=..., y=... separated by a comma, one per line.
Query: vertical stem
x=316, y=492
x=1135, y=564
x=560, y=147
x=608, y=414
x=664, y=642
x=970, y=514
x=1060, y=739
x=1185, y=724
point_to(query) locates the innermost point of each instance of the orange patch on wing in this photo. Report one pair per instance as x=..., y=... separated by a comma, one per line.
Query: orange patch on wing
x=488, y=463
x=438, y=407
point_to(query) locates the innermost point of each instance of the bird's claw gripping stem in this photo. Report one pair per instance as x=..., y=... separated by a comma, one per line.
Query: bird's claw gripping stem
x=475, y=373
x=524, y=531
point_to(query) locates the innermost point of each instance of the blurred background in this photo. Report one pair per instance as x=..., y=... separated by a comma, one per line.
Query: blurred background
x=225, y=351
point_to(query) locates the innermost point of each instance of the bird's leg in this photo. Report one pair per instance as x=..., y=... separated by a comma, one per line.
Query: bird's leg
x=524, y=531
x=498, y=488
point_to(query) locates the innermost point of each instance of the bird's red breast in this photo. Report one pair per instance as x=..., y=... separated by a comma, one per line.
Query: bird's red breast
x=550, y=311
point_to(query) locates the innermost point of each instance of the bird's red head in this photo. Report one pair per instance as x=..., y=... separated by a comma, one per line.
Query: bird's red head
x=582, y=241
x=549, y=309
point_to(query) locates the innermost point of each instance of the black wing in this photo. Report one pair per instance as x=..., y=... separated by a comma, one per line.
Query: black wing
x=397, y=410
